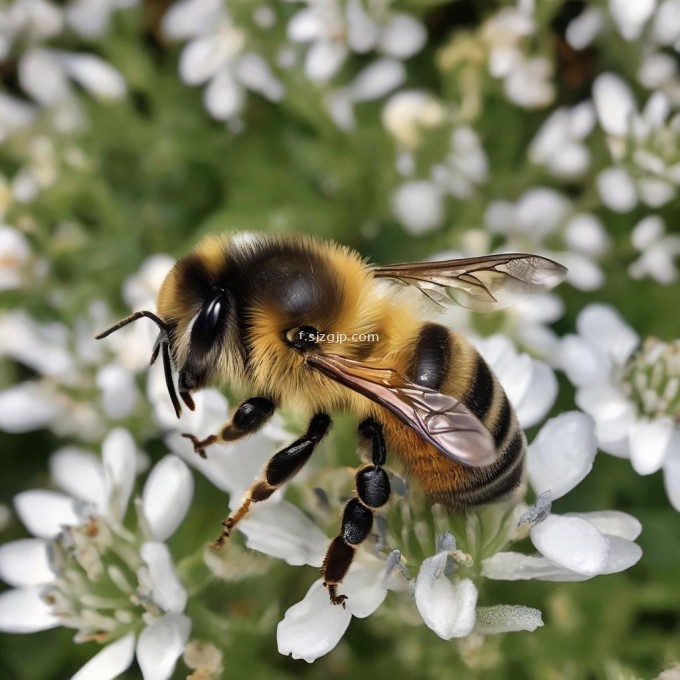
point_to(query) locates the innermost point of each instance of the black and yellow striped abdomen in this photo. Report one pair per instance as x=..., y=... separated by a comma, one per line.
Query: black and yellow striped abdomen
x=445, y=361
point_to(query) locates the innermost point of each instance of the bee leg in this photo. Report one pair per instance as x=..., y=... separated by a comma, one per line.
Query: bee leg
x=373, y=491
x=283, y=465
x=249, y=417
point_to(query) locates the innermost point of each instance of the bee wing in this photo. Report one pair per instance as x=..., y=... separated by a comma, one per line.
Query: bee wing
x=439, y=419
x=479, y=283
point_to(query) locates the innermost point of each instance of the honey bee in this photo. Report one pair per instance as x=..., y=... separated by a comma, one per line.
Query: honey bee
x=286, y=318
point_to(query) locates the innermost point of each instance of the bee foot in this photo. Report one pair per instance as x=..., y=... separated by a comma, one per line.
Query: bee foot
x=200, y=444
x=333, y=592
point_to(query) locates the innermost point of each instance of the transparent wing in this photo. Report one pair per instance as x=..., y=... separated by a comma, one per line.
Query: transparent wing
x=479, y=283
x=438, y=418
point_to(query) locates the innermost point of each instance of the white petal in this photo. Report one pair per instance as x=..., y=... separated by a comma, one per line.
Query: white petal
x=119, y=391
x=403, y=36
x=25, y=563
x=377, y=79
x=671, y=475
x=189, y=18
x=647, y=231
x=447, y=607
x=655, y=192
x=42, y=77
x=562, y=453
x=313, y=626
x=254, y=72
x=650, y=443
x=506, y=618
x=167, y=589
x=167, y=495
x=584, y=363
x=666, y=25
x=617, y=190
x=44, y=513
x=540, y=397
x=583, y=273
x=623, y=554
x=572, y=543
x=202, y=58
x=512, y=566
x=364, y=586
x=419, y=206
x=119, y=458
x=27, y=406
x=630, y=17
x=614, y=416
x=585, y=27
x=95, y=75
x=324, y=59
x=614, y=104
x=585, y=233
x=284, y=531
x=89, y=18
x=612, y=522
x=224, y=96
x=605, y=328
x=540, y=211
x=362, y=31
x=110, y=662
x=305, y=26
x=80, y=474
x=23, y=611
x=161, y=644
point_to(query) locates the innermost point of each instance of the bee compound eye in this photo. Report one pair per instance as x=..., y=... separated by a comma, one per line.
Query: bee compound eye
x=301, y=337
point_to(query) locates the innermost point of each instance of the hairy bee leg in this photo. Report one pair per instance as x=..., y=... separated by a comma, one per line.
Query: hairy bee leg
x=282, y=466
x=373, y=491
x=249, y=417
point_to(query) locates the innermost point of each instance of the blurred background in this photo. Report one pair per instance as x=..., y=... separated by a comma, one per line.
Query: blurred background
x=408, y=130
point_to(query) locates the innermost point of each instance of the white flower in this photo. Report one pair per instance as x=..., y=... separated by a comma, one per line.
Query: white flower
x=571, y=547
x=465, y=167
x=633, y=398
x=526, y=79
x=217, y=53
x=16, y=258
x=643, y=144
x=558, y=145
x=92, y=18
x=418, y=205
x=408, y=113
x=658, y=252
x=70, y=554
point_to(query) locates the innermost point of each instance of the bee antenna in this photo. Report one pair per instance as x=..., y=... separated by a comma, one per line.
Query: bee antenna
x=133, y=317
x=168, y=379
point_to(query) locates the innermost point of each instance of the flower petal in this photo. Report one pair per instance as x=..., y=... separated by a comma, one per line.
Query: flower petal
x=23, y=611
x=612, y=522
x=616, y=189
x=447, y=607
x=167, y=495
x=27, y=406
x=119, y=458
x=313, y=626
x=403, y=36
x=513, y=566
x=80, y=474
x=377, y=79
x=623, y=554
x=160, y=645
x=42, y=77
x=167, y=589
x=507, y=618
x=110, y=662
x=44, y=513
x=364, y=586
x=614, y=104
x=203, y=57
x=540, y=396
x=223, y=97
x=284, y=531
x=323, y=60
x=584, y=363
x=25, y=563
x=650, y=442
x=98, y=77
x=562, y=453
x=604, y=327
x=418, y=205
x=671, y=476
x=572, y=543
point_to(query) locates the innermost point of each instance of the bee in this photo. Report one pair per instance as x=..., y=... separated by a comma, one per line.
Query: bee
x=289, y=319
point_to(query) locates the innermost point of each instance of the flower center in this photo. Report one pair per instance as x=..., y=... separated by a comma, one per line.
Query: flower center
x=652, y=379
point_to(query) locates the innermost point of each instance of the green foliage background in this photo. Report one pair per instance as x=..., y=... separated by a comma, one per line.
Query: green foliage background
x=159, y=173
